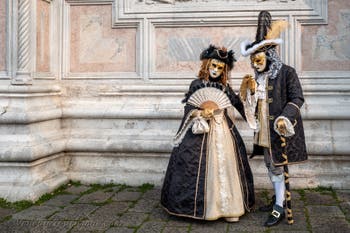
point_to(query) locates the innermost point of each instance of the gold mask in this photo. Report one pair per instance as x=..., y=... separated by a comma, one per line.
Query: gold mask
x=216, y=68
x=258, y=61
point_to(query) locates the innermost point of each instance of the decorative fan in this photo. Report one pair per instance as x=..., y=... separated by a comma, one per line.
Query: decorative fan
x=209, y=97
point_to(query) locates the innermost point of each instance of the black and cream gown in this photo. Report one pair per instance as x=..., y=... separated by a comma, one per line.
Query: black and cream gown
x=208, y=175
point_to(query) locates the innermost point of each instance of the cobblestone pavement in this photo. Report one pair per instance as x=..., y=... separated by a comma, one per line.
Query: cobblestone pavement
x=123, y=209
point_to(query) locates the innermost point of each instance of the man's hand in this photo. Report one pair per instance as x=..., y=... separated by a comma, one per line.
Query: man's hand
x=247, y=82
x=251, y=85
x=281, y=127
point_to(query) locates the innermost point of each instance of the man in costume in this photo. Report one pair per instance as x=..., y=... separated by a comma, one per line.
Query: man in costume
x=273, y=110
x=208, y=175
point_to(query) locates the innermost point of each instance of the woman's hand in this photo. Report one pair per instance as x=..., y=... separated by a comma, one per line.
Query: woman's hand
x=196, y=113
x=208, y=113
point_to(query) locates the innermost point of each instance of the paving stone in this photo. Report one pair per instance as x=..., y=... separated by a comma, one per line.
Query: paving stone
x=295, y=195
x=343, y=195
x=168, y=229
x=325, y=211
x=314, y=198
x=175, y=221
x=324, y=214
x=153, y=194
x=133, y=189
x=20, y=226
x=345, y=207
x=61, y=200
x=158, y=214
x=126, y=196
x=297, y=205
x=36, y=212
x=279, y=231
x=95, y=197
x=151, y=227
x=120, y=230
x=218, y=226
x=77, y=189
x=299, y=224
x=329, y=225
x=109, y=213
x=131, y=219
x=74, y=212
x=91, y=226
x=144, y=205
x=4, y=212
x=250, y=222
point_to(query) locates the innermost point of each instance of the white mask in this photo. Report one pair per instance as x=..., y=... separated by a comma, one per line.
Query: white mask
x=258, y=61
x=216, y=68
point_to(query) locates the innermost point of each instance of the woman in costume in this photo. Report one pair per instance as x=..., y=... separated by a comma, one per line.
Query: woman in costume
x=208, y=175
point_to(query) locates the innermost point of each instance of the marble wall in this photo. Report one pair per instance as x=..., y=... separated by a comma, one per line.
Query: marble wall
x=326, y=47
x=97, y=47
x=179, y=50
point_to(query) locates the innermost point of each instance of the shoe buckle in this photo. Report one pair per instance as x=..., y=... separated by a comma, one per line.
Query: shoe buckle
x=276, y=214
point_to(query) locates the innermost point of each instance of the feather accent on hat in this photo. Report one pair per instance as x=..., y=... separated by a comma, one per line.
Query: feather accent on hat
x=276, y=28
x=267, y=35
x=219, y=53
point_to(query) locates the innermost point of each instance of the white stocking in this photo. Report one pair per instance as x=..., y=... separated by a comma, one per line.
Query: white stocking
x=279, y=187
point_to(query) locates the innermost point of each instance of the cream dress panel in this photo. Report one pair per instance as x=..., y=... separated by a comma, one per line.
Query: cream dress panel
x=223, y=187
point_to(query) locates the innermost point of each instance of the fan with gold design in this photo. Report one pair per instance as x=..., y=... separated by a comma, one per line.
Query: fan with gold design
x=209, y=98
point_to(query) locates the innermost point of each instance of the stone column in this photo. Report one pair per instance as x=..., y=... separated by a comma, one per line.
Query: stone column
x=24, y=61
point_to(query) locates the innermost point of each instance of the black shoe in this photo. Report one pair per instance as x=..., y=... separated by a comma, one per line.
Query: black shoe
x=268, y=207
x=276, y=216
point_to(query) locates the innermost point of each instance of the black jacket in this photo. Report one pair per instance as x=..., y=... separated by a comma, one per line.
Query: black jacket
x=285, y=98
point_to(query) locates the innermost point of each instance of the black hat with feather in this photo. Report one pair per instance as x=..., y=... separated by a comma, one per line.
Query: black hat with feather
x=267, y=35
x=221, y=54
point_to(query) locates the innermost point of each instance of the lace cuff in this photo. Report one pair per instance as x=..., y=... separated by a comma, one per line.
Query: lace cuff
x=249, y=110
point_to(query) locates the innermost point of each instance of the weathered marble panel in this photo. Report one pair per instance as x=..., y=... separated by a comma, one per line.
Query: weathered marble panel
x=28, y=181
x=2, y=35
x=132, y=169
x=43, y=36
x=326, y=47
x=95, y=46
x=179, y=50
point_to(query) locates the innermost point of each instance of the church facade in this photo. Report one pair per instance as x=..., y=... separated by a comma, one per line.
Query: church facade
x=91, y=90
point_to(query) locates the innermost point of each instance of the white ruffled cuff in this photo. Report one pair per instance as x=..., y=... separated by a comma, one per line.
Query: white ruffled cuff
x=249, y=109
x=289, y=126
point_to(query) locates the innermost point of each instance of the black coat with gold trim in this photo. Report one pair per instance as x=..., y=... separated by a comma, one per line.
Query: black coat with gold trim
x=285, y=98
x=183, y=191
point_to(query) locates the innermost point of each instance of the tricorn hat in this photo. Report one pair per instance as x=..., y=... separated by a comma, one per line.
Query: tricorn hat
x=221, y=54
x=266, y=35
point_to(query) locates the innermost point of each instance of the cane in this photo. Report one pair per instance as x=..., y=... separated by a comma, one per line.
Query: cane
x=286, y=182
